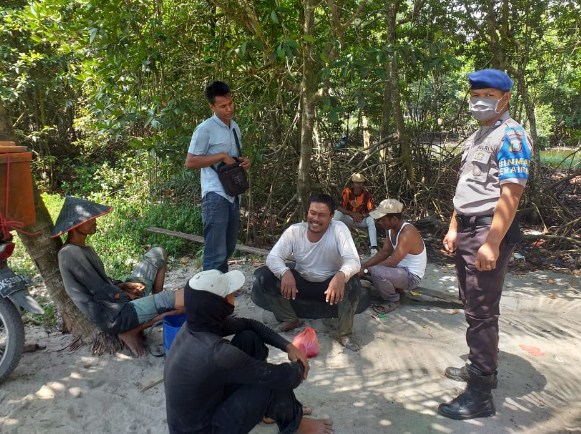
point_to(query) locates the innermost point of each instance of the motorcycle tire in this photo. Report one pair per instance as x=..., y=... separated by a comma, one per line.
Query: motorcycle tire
x=11, y=338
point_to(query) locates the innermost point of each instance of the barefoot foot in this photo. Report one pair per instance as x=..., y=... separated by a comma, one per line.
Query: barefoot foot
x=287, y=326
x=134, y=340
x=316, y=426
x=307, y=411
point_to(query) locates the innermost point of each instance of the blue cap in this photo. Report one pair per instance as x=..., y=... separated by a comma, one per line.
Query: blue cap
x=493, y=78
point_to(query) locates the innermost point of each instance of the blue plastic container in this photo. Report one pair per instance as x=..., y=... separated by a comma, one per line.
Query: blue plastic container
x=171, y=326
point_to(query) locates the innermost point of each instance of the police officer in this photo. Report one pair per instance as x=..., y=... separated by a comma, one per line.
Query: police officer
x=483, y=233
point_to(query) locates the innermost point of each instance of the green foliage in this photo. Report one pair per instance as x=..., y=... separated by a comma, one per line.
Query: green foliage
x=107, y=94
x=562, y=158
x=50, y=316
x=122, y=239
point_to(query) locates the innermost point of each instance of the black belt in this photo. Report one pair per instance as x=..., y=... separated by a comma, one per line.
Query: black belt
x=472, y=221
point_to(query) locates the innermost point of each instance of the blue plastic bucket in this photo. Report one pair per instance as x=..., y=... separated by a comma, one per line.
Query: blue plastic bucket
x=171, y=326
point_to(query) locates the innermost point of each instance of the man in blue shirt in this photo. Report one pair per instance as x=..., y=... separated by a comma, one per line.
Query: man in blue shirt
x=215, y=141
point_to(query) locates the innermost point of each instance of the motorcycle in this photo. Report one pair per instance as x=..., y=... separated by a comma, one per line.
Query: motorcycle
x=14, y=295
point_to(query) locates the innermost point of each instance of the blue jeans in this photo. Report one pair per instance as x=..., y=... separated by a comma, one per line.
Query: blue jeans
x=221, y=221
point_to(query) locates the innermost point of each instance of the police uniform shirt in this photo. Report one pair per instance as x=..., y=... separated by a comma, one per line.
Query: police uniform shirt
x=493, y=155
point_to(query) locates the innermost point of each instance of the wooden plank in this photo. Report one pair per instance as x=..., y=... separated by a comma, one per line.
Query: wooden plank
x=199, y=239
x=4, y=149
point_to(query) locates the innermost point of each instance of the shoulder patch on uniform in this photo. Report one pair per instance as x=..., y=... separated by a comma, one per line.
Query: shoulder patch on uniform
x=515, y=137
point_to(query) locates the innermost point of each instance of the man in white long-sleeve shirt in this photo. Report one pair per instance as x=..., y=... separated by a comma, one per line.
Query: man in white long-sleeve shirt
x=326, y=269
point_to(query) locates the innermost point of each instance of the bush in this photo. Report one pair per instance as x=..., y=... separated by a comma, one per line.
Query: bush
x=122, y=239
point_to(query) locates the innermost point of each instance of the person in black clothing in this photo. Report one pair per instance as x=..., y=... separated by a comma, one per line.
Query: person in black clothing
x=216, y=386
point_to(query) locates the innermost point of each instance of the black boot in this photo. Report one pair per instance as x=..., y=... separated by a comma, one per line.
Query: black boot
x=475, y=401
x=461, y=374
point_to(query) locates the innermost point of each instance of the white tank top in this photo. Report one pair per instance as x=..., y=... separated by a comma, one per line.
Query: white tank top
x=415, y=264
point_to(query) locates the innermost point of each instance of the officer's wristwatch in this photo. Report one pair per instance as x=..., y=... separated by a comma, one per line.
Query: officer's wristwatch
x=366, y=271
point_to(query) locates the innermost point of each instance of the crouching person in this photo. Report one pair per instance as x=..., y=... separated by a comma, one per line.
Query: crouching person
x=121, y=308
x=217, y=386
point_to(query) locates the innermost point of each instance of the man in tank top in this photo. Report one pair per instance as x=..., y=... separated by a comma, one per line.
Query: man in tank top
x=401, y=263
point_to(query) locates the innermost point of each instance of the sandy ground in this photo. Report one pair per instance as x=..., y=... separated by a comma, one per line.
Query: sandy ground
x=394, y=384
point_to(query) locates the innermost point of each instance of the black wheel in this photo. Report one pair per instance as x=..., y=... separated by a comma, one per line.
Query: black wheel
x=11, y=338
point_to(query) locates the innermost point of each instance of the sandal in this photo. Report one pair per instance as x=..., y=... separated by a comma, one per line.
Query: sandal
x=382, y=309
x=349, y=342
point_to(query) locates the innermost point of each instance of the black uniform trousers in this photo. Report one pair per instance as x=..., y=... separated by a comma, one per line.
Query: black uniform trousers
x=480, y=292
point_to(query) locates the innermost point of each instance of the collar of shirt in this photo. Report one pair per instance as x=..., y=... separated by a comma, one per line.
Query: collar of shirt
x=484, y=130
x=219, y=121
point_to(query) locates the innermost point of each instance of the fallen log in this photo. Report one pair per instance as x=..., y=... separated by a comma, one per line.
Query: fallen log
x=199, y=239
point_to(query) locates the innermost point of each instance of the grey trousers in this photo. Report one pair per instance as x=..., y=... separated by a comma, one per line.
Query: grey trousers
x=388, y=279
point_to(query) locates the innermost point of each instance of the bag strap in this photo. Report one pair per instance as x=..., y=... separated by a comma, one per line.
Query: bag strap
x=237, y=142
x=237, y=147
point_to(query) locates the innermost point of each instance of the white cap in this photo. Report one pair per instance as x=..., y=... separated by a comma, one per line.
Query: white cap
x=217, y=283
x=387, y=206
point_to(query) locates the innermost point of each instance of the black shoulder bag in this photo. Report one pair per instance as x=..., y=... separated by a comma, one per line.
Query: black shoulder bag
x=232, y=176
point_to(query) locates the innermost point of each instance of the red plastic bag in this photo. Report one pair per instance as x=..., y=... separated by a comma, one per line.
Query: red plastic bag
x=307, y=342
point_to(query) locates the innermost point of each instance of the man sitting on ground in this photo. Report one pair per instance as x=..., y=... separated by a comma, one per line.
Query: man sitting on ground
x=356, y=202
x=326, y=269
x=122, y=308
x=213, y=385
x=401, y=263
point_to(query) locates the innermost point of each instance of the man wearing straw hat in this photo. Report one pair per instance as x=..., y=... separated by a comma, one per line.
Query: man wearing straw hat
x=220, y=386
x=121, y=308
x=356, y=202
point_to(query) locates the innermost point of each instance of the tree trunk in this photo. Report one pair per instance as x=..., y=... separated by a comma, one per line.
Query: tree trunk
x=386, y=105
x=43, y=252
x=308, y=89
x=5, y=125
x=498, y=60
x=403, y=138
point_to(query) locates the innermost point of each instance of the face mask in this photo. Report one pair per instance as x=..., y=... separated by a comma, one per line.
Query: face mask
x=484, y=109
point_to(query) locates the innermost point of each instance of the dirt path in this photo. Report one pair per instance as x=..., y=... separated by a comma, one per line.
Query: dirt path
x=393, y=385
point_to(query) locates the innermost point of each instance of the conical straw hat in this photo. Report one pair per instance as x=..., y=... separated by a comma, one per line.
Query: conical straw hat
x=75, y=212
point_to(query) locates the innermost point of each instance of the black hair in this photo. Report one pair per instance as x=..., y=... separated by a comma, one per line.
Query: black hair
x=214, y=89
x=323, y=198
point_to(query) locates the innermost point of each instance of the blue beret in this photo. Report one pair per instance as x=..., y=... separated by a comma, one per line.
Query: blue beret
x=493, y=78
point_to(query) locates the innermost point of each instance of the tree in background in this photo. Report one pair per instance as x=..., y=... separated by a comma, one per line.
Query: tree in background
x=97, y=86
x=43, y=251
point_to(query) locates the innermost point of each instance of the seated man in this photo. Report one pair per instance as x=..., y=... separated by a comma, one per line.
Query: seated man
x=326, y=269
x=123, y=308
x=354, y=209
x=401, y=263
x=213, y=385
